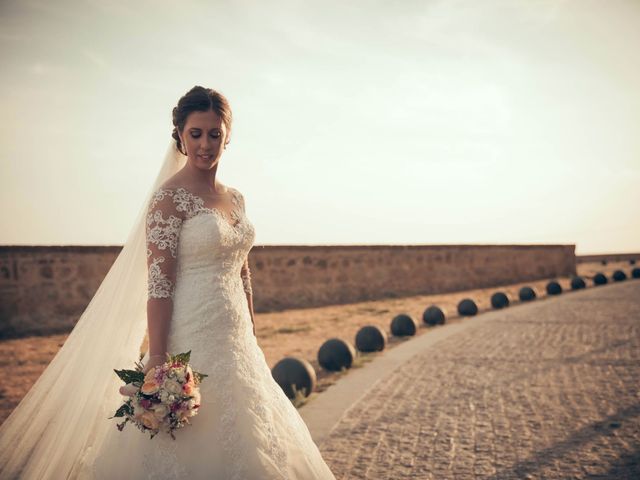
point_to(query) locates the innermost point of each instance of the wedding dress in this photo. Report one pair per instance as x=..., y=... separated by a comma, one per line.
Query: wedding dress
x=246, y=427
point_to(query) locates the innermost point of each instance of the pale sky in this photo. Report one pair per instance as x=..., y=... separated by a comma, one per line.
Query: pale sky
x=355, y=123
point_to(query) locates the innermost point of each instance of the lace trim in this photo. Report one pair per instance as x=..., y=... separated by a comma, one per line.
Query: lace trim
x=192, y=204
x=159, y=285
x=164, y=234
x=245, y=274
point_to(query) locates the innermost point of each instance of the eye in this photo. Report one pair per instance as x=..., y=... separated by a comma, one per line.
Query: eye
x=215, y=135
x=195, y=135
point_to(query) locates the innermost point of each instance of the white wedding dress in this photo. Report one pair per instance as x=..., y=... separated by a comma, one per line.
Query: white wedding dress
x=246, y=427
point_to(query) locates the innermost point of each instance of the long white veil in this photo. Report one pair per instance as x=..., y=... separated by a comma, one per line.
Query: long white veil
x=65, y=414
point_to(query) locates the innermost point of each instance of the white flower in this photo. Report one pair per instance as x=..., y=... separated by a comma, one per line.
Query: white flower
x=160, y=410
x=172, y=386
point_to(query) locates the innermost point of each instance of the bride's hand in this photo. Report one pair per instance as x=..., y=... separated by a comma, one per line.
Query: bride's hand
x=154, y=361
x=129, y=389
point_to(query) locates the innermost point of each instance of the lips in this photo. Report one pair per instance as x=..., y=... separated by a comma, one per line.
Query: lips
x=206, y=157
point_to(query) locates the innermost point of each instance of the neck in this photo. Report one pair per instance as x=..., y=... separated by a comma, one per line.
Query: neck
x=205, y=178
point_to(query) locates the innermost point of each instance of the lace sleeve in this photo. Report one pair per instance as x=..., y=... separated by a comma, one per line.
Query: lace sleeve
x=245, y=273
x=162, y=232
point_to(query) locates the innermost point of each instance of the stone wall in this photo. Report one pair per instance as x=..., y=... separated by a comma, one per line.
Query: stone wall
x=44, y=290
x=609, y=257
x=304, y=276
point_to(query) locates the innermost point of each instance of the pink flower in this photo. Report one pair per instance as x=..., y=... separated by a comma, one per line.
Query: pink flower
x=187, y=388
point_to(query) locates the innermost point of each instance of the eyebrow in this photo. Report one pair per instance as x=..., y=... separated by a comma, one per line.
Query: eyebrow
x=196, y=128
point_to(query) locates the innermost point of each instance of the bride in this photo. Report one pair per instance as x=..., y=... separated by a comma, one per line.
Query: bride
x=184, y=274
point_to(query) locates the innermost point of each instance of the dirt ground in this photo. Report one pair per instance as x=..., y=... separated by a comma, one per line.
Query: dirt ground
x=298, y=332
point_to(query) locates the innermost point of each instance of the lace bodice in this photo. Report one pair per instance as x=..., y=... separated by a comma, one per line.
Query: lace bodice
x=168, y=209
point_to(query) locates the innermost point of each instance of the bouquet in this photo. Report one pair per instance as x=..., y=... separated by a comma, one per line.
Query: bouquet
x=167, y=396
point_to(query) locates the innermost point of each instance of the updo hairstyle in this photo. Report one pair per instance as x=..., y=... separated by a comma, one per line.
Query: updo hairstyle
x=200, y=99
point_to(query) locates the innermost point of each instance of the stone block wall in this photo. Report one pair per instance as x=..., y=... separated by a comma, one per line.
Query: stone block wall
x=609, y=257
x=45, y=289
x=306, y=276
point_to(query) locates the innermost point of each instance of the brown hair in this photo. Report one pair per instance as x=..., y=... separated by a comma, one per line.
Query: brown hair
x=200, y=99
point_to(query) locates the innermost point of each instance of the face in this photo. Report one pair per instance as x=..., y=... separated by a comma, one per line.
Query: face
x=203, y=138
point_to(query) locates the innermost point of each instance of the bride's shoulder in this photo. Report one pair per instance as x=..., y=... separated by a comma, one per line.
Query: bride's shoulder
x=238, y=196
x=172, y=183
x=166, y=197
x=175, y=188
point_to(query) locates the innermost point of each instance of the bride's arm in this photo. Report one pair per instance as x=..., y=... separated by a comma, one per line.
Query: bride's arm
x=162, y=233
x=245, y=274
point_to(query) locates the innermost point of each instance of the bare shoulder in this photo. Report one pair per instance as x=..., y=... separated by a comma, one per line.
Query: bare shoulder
x=173, y=182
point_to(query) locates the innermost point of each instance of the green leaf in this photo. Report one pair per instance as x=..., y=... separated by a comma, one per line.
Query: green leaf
x=199, y=376
x=125, y=409
x=130, y=376
x=182, y=357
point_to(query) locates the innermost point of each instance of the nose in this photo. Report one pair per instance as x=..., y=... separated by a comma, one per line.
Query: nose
x=204, y=143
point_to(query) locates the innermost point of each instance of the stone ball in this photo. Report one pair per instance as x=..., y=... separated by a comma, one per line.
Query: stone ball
x=577, y=283
x=371, y=338
x=554, y=288
x=619, y=276
x=403, y=325
x=336, y=354
x=604, y=262
x=632, y=261
x=526, y=294
x=433, y=316
x=293, y=372
x=635, y=273
x=600, y=279
x=467, y=307
x=499, y=300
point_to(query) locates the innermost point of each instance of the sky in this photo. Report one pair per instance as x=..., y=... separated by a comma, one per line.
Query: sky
x=355, y=123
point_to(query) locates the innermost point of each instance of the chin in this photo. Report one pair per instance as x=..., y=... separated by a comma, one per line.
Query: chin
x=206, y=165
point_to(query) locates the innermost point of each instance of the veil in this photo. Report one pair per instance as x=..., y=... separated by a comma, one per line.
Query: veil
x=64, y=416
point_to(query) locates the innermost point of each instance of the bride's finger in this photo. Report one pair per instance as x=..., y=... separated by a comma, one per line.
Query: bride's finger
x=128, y=390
